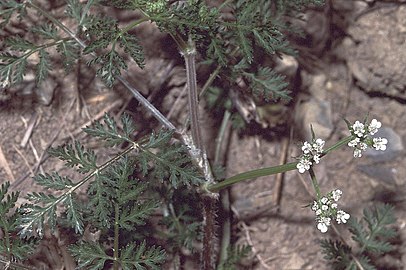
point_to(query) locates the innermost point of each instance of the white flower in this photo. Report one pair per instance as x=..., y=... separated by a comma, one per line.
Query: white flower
x=357, y=153
x=307, y=148
x=374, y=126
x=337, y=194
x=324, y=222
x=358, y=128
x=342, y=217
x=380, y=143
x=354, y=142
x=318, y=145
x=316, y=159
x=318, y=212
x=324, y=200
x=315, y=206
x=303, y=165
x=324, y=207
x=334, y=205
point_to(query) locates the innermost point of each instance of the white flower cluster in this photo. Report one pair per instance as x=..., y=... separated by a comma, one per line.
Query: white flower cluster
x=311, y=153
x=326, y=209
x=362, y=139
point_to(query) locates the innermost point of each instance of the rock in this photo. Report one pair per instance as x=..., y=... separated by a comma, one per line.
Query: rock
x=384, y=175
x=377, y=57
x=316, y=111
x=394, y=147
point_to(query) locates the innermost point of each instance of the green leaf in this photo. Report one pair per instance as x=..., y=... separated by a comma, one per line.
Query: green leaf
x=73, y=214
x=47, y=31
x=141, y=257
x=133, y=48
x=76, y=156
x=171, y=161
x=130, y=217
x=7, y=202
x=375, y=237
x=101, y=194
x=70, y=52
x=18, y=43
x=109, y=131
x=337, y=254
x=267, y=84
x=90, y=255
x=53, y=181
x=43, y=66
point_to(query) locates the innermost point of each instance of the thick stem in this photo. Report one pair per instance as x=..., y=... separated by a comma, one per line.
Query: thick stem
x=189, y=55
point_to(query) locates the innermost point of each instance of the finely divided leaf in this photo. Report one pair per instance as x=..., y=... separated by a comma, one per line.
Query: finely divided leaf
x=74, y=215
x=133, y=48
x=76, y=156
x=141, y=257
x=90, y=255
x=43, y=66
x=267, y=84
x=109, y=131
x=53, y=181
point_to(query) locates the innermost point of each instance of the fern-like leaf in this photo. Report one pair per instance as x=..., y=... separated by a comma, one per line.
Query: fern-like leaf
x=267, y=84
x=173, y=162
x=101, y=193
x=90, y=255
x=53, y=181
x=12, y=246
x=375, y=237
x=131, y=46
x=109, y=131
x=141, y=257
x=43, y=66
x=337, y=254
x=47, y=31
x=69, y=51
x=136, y=215
x=74, y=215
x=76, y=156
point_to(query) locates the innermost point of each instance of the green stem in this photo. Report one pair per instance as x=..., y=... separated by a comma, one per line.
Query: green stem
x=133, y=24
x=337, y=145
x=252, y=174
x=269, y=170
x=315, y=183
x=116, y=235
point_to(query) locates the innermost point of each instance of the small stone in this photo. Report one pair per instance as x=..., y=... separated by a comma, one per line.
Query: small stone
x=394, y=147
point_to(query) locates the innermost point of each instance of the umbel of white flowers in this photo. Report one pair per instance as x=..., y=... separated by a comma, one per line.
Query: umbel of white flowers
x=311, y=154
x=326, y=210
x=362, y=133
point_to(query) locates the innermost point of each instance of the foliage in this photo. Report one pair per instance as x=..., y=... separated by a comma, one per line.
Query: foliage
x=372, y=234
x=116, y=199
x=12, y=248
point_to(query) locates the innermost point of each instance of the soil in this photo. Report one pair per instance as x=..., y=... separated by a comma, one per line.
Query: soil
x=360, y=74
